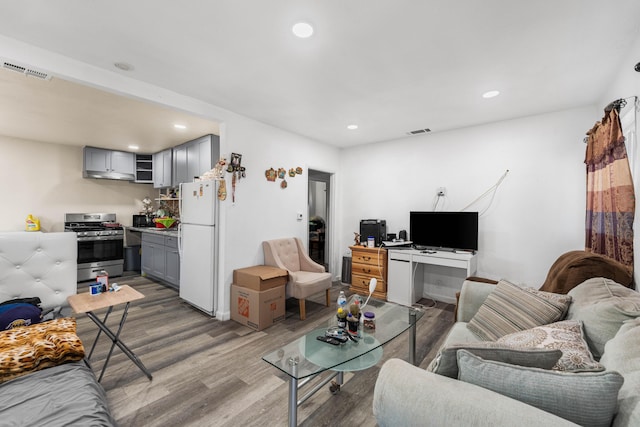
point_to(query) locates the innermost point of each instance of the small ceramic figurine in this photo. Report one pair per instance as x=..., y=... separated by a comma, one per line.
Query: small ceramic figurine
x=356, y=239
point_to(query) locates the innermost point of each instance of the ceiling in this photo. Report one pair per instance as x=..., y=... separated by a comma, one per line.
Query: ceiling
x=389, y=67
x=63, y=112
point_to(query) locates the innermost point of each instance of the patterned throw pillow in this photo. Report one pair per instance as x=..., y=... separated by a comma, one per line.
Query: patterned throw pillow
x=564, y=300
x=566, y=336
x=509, y=308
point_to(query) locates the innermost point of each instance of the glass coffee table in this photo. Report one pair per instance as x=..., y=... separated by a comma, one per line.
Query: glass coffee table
x=307, y=357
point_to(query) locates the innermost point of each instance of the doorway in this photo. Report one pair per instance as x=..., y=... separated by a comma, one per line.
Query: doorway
x=319, y=221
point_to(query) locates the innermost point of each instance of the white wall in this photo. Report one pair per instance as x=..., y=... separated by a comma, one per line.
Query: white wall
x=538, y=211
x=46, y=180
x=262, y=209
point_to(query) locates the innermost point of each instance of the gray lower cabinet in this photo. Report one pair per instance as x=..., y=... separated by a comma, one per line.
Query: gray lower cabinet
x=172, y=261
x=160, y=258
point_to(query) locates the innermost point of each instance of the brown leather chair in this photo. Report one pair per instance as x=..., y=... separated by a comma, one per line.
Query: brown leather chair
x=574, y=267
x=306, y=277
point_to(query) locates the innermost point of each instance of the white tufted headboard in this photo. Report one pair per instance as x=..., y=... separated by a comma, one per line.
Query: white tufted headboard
x=34, y=264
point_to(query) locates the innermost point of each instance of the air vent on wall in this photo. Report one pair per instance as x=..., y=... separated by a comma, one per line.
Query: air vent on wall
x=418, y=131
x=27, y=71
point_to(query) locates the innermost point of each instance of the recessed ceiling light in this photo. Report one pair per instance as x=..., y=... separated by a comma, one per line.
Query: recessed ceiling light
x=302, y=30
x=134, y=147
x=123, y=66
x=352, y=127
x=179, y=126
x=491, y=94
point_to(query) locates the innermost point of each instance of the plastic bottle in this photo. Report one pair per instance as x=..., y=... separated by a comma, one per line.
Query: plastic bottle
x=342, y=301
x=32, y=223
x=342, y=318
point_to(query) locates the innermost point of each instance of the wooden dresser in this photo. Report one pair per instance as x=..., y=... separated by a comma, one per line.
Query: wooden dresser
x=365, y=264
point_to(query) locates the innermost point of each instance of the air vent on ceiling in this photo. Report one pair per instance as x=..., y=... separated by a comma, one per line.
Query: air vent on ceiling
x=418, y=131
x=27, y=71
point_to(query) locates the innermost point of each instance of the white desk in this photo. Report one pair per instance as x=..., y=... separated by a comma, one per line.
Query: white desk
x=414, y=274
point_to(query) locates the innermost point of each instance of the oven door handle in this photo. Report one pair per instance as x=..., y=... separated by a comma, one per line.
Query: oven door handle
x=99, y=238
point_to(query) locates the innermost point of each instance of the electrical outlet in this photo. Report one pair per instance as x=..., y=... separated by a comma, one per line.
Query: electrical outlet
x=442, y=192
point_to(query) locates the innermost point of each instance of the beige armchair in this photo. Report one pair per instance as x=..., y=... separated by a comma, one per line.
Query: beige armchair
x=306, y=277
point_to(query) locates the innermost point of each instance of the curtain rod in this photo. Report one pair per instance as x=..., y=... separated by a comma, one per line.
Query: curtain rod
x=618, y=104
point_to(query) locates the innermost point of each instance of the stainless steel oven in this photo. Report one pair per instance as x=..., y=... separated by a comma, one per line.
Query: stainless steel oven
x=100, y=243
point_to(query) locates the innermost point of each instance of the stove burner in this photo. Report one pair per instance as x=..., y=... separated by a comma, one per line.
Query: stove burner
x=93, y=225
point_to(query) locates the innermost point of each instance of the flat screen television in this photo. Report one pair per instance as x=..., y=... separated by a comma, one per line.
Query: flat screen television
x=444, y=230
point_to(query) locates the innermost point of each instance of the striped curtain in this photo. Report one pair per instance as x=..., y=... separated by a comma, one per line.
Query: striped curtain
x=610, y=194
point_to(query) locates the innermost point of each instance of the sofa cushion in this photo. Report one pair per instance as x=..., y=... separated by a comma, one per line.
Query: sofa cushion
x=567, y=336
x=602, y=305
x=588, y=399
x=574, y=267
x=509, y=308
x=622, y=354
x=446, y=363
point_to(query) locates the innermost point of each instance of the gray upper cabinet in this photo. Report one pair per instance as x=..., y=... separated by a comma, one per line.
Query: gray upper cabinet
x=195, y=157
x=180, y=165
x=162, y=169
x=108, y=164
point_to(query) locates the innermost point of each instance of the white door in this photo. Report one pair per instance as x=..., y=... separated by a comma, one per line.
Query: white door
x=198, y=266
x=198, y=203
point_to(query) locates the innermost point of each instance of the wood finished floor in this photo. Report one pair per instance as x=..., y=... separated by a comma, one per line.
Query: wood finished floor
x=210, y=373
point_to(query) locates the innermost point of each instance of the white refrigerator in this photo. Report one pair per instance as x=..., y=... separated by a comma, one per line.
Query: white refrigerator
x=198, y=244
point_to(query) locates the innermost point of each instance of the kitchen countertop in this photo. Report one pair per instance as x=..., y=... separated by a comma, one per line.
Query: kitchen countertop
x=167, y=232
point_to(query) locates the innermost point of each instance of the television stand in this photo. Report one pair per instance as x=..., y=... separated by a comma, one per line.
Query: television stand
x=414, y=274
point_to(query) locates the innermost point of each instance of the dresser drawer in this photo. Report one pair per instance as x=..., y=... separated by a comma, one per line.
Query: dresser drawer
x=360, y=286
x=369, y=270
x=369, y=257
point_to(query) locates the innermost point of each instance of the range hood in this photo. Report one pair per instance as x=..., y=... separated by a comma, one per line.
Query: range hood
x=108, y=175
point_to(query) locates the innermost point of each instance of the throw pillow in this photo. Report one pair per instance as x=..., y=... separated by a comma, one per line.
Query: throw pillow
x=566, y=336
x=564, y=300
x=446, y=362
x=509, y=308
x=588, y=399
x=602, y=305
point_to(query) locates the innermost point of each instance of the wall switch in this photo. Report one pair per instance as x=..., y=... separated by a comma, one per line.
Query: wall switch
x=442, y=191
x=299, y=216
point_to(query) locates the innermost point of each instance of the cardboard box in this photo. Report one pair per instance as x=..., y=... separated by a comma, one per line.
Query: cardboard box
x=257, y=309
x=260, y=277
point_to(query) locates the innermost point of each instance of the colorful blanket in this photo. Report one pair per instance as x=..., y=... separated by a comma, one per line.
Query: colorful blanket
x=27, y=349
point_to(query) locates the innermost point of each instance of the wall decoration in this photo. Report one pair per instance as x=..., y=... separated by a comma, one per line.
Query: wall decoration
x=217, y=174
x=222, y=190
x=270, y=174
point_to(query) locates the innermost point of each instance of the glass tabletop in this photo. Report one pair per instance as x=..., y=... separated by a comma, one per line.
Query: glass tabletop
x=307, y=356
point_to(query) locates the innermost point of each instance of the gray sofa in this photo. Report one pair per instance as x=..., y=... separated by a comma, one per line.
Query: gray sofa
x=609, y=314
